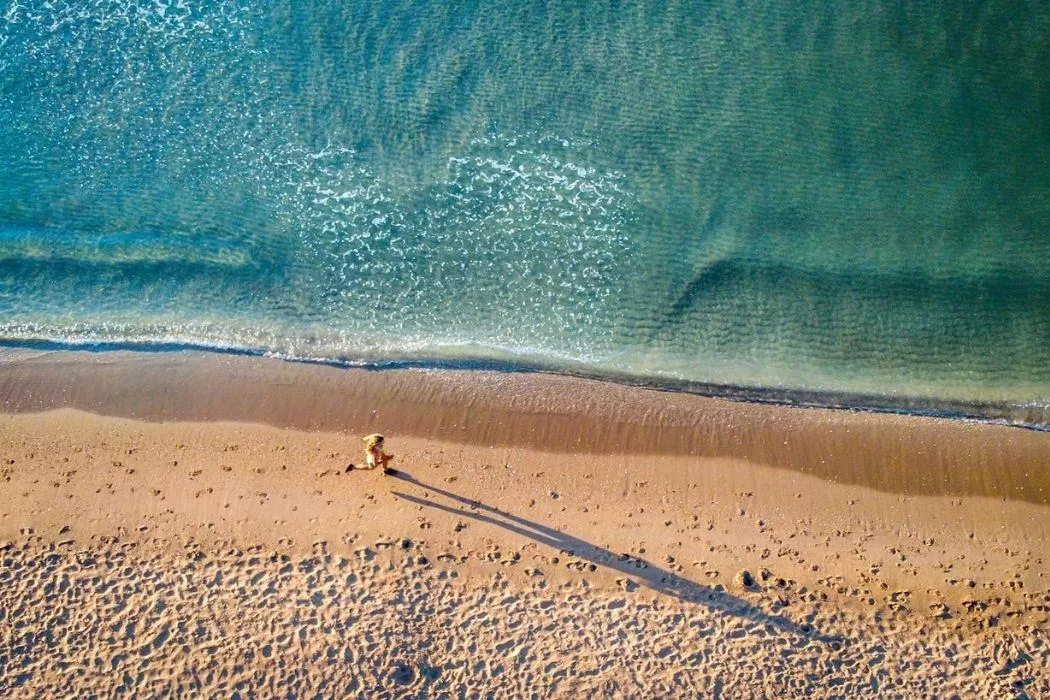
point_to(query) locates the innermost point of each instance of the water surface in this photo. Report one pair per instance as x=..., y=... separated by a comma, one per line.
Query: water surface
x=837, y=201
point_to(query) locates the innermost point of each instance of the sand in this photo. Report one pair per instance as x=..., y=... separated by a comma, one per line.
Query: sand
x=187, y=523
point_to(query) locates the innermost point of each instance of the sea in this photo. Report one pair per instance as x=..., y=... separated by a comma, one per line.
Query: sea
x=838, y=204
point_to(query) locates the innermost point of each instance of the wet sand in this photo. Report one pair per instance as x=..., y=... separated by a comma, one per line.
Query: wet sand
x=187, y=521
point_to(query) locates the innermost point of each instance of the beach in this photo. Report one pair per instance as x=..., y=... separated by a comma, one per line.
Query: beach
x=710, y=340
x=188, y=522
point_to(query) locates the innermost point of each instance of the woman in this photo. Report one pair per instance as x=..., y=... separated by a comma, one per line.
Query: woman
x=374, y=455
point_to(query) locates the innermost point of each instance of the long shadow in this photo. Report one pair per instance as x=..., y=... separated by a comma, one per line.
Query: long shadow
x=637, y=569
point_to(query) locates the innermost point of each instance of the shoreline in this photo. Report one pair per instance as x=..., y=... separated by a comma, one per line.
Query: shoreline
x=893, y=453
x=1023, y=415
x=554, y=534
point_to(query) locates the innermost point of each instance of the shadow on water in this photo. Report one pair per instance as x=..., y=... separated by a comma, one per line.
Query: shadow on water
x=637, y=569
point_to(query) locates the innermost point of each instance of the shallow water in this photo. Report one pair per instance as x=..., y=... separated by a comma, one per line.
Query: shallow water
x=843, y=201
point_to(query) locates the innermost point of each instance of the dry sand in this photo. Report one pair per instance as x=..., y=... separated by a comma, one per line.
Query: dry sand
x=186, y=523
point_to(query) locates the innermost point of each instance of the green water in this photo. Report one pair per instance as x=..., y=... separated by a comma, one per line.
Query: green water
x=844, y=200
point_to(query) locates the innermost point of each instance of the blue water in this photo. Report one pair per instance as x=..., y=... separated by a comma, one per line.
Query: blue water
x=829, y=200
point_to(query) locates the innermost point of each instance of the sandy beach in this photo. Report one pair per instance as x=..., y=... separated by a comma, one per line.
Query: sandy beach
x=187, y=523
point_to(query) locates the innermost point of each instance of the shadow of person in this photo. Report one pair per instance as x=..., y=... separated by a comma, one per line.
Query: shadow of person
x=636, y=569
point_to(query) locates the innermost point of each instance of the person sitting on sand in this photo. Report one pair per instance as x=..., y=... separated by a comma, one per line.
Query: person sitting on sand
x=374, y=455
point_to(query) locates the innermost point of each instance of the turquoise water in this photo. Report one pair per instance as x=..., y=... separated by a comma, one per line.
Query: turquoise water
x=841, y=200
